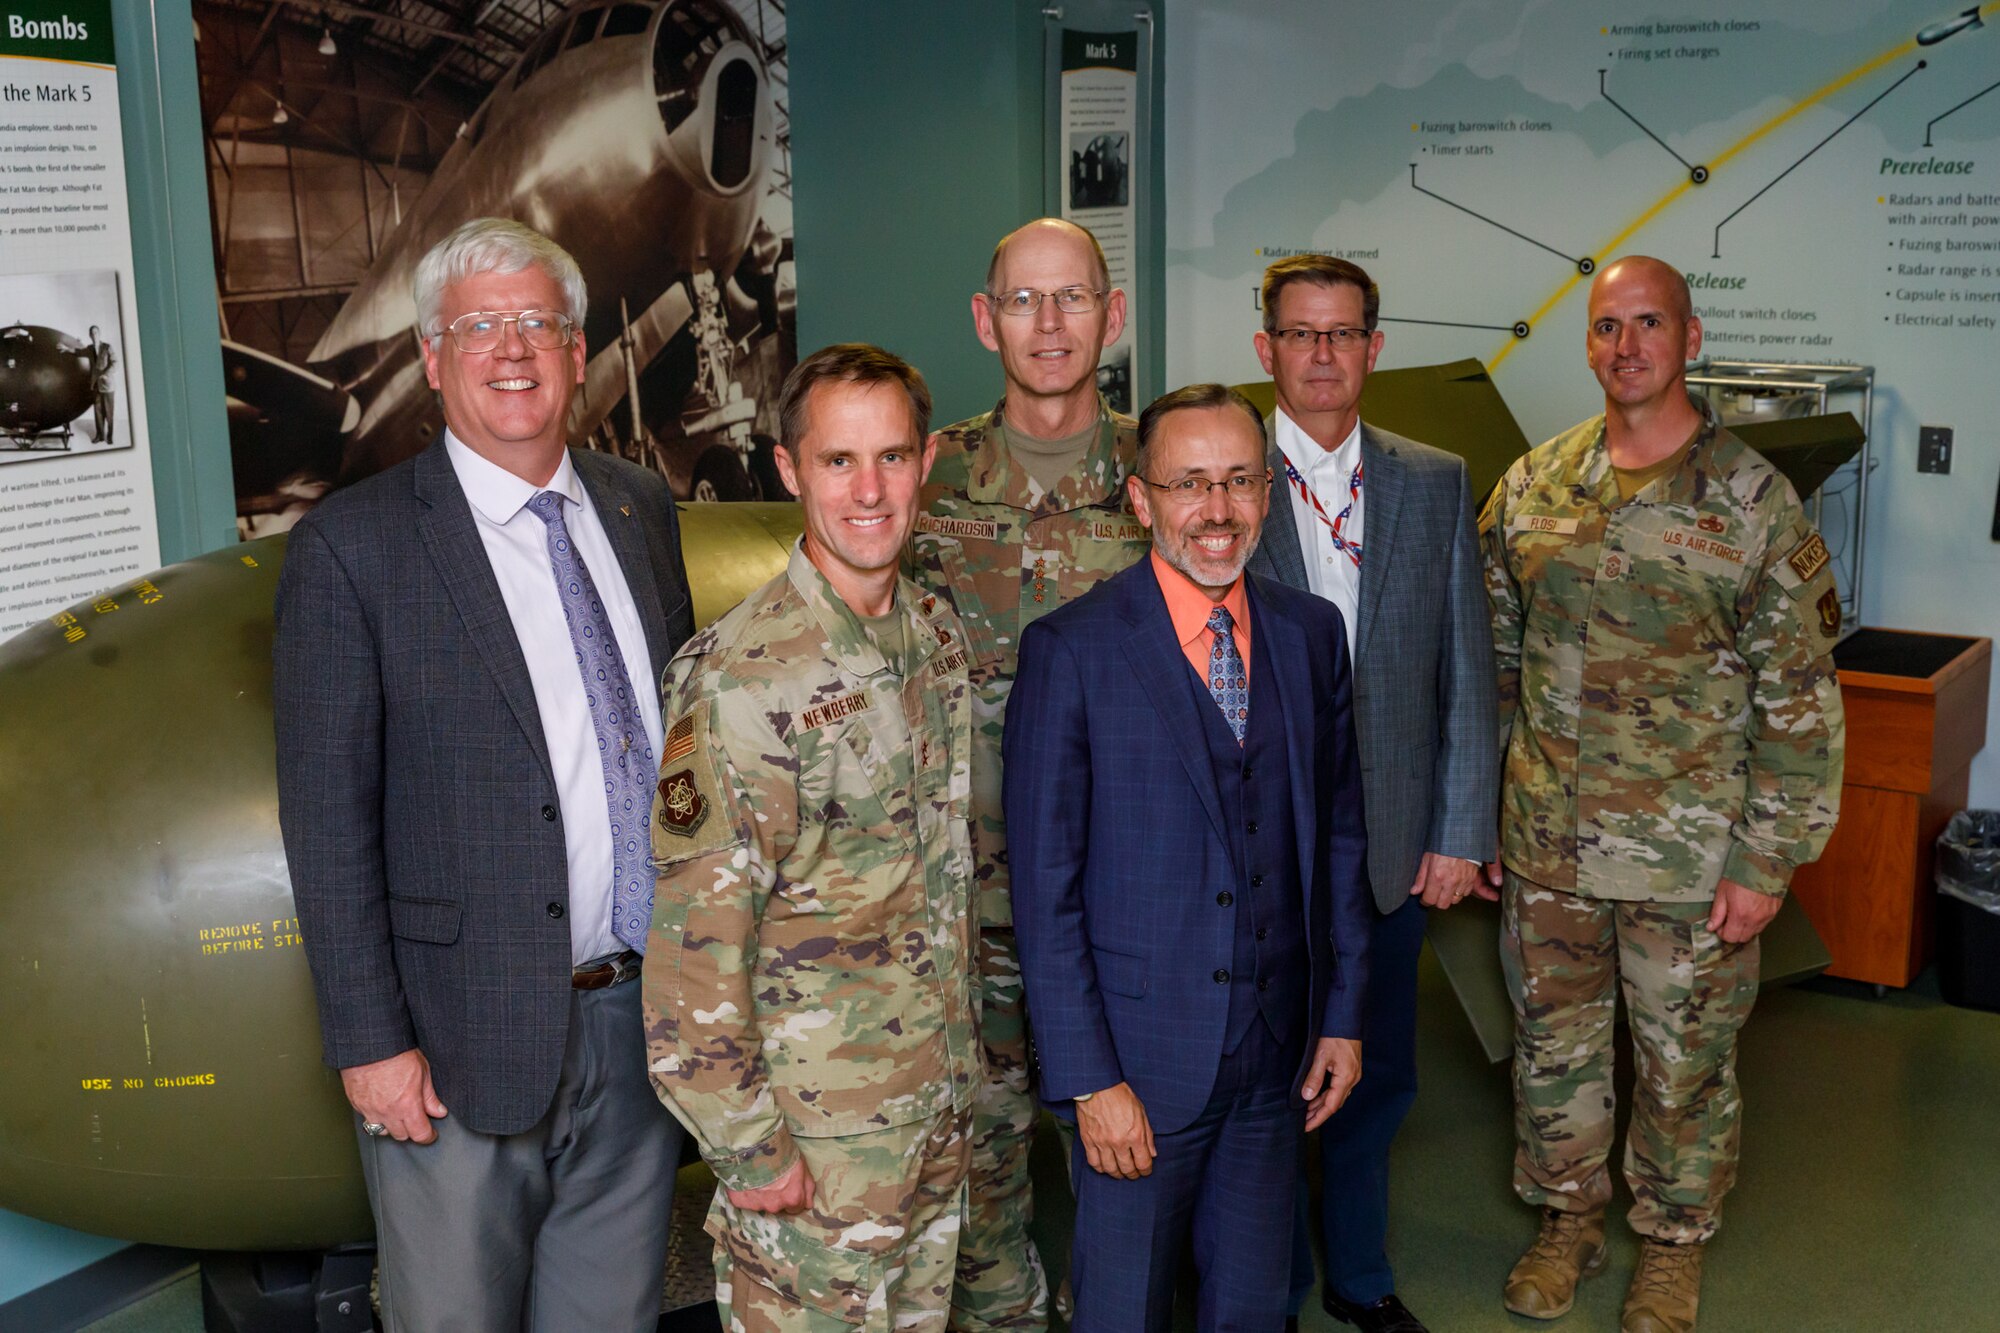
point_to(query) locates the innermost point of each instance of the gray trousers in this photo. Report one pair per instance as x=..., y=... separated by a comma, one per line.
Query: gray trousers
x=560, y=1228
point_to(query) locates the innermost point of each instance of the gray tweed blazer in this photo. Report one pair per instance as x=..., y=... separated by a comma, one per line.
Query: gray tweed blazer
x=414, y=787
x=1423, y=673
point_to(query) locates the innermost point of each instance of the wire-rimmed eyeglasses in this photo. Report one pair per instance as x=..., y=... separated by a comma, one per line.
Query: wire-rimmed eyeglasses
x=479, y=331
x=1069, y=300
x=1239, y=487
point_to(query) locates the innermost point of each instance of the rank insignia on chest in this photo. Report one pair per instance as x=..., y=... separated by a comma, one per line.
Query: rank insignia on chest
x=682, y=808
x=929, y=604
x=1829, y=611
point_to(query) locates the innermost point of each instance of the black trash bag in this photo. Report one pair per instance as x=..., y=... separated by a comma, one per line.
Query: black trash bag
x=1968, y=859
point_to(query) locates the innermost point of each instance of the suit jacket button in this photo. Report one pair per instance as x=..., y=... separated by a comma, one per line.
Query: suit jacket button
x=1251, y=826
x=1261, y=932
x=1256, y=881
x=1222, y=976
x=1224, y=898
x=556, y=911
x=549, y=813
x=1263, y=985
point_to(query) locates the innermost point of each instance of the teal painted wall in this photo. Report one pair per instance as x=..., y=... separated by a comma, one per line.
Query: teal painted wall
x=159, y=95
x=916, y=144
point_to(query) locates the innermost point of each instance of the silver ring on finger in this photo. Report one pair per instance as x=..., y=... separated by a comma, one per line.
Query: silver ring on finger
x=374, y=1129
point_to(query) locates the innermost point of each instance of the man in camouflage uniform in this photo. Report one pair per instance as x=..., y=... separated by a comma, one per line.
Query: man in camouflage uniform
x=1024, y=511
x=1664, y=617
x=809, y=994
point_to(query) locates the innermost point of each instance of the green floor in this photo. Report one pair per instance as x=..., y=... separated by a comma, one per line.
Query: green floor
x=1869, y=1197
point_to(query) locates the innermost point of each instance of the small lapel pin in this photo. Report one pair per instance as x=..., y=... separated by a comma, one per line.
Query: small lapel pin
x=625, y=510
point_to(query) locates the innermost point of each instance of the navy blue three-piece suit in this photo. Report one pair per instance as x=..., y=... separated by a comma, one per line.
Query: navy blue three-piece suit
x=1193, y=914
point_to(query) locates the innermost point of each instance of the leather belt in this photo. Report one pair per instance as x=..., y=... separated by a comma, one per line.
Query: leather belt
x=611, y=972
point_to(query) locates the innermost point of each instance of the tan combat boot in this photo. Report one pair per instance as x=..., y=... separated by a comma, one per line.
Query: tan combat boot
x=1665, y=1291
x=1569, y=1249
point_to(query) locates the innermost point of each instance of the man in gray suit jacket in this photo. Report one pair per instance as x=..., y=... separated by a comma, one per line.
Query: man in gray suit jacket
x=1383, y=527
x=467, y=717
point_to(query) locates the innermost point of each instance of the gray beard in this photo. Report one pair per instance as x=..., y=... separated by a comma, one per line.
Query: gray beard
x=1179, y=560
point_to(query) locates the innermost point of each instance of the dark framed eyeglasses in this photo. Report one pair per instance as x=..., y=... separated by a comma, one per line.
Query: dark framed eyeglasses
x=479, y=331
x=1345, y=338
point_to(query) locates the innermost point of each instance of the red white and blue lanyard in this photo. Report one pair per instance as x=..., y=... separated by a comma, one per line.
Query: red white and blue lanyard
x=1352, y=550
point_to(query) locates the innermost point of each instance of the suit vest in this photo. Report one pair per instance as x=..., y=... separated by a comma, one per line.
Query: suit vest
x=1270, y=969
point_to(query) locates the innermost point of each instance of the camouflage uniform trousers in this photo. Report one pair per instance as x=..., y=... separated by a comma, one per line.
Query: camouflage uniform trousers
x=1686, y=993
x=1001, y=1284
x=876, y=1249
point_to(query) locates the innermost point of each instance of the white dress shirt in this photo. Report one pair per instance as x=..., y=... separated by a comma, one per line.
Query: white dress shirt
x=1329, y=572
x=517, y=548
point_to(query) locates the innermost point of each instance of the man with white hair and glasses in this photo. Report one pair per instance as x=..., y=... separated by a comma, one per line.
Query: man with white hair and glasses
x=465, y=658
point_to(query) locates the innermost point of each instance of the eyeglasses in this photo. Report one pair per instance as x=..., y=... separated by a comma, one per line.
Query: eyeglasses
x=1026, y=300
x=1342, y=339
x=483, y=330
x=1190, y=491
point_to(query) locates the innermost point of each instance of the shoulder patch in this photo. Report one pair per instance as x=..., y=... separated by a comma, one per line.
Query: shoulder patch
x=1828, y=608
x=686, y=822
x=682, y=808
x=679, y=743
x=1809, y=558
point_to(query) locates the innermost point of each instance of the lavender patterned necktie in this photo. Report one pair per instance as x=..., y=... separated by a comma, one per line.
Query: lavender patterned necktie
x=622, y=746
x=1227, y=680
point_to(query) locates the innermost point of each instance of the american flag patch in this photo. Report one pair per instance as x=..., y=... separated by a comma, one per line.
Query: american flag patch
x=680, y=741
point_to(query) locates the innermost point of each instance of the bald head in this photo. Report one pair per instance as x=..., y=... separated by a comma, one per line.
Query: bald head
x=1643, y=331
x=1039, y=234
x=1662, y=277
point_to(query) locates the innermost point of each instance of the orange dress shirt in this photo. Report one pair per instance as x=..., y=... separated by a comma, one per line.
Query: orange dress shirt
x=1190, y=608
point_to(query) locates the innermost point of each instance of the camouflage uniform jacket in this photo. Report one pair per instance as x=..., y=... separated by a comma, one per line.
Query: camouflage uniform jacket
x=1665, y=672
x=809, y=969
x=1005, y=552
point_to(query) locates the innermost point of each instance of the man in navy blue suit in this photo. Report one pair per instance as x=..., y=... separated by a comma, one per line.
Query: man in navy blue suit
x=1183, y=801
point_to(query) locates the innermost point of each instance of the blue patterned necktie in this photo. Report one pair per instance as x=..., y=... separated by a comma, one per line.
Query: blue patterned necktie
x=622, y=746
x=1228, y=682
